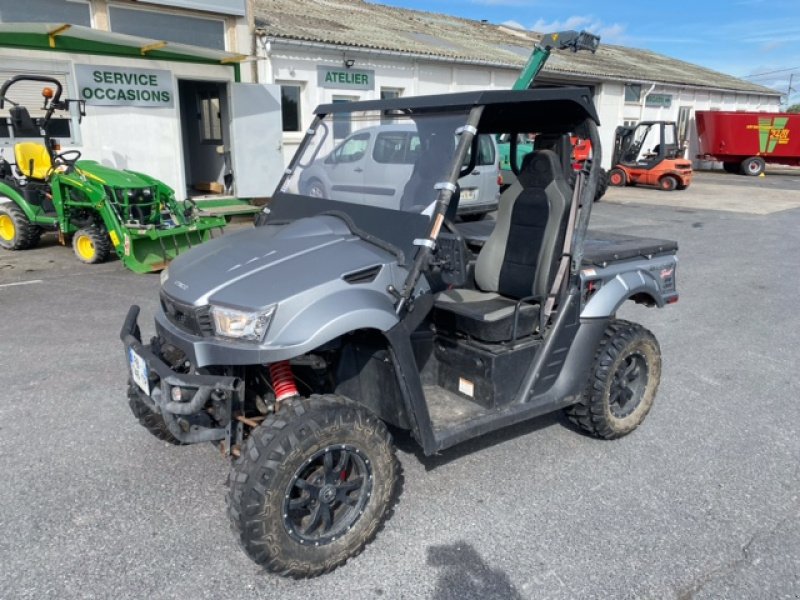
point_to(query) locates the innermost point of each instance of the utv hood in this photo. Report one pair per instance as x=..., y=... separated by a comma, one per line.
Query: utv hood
x=259, y=267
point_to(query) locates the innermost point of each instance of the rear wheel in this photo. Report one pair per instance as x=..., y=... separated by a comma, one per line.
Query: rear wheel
x=668, y=183
x=91, y=245
x=602, y=185
x=313, y=485
x=16, y=231
x=617, y=177
x=753, y=166
x=623, y=382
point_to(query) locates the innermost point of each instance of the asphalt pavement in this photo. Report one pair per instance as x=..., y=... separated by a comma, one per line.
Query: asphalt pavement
x=703, y=501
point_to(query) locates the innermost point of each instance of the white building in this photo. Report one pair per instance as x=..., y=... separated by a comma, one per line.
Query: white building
x=308, y=47
x=216, y=126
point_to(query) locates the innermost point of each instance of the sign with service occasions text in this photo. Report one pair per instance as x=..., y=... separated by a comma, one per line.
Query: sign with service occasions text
x=123, y=86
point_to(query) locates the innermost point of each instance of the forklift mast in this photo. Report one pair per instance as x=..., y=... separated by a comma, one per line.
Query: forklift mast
x=562, y=40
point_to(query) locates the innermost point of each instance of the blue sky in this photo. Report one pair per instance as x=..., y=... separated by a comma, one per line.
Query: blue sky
x=747, y=38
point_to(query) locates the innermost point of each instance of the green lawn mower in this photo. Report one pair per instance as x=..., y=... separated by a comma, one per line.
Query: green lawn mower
x=98, y=207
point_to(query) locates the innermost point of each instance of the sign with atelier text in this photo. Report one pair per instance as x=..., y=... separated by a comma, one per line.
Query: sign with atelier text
x=123, y=86
x=348, y=79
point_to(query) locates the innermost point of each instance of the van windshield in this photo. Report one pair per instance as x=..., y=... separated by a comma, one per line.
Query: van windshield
x=377, y=159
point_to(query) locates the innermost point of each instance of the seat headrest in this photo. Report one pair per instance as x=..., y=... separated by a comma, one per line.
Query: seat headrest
x=540, y=168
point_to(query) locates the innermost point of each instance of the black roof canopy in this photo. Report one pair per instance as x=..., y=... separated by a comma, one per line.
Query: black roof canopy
x=505, y=111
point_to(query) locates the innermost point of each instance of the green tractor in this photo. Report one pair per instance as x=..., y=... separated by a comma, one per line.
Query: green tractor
x=99, y=208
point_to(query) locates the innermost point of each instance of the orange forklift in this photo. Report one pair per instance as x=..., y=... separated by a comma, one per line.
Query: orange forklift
x=649, y=154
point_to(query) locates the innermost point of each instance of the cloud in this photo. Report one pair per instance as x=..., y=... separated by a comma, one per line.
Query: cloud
x=514, y=24
x=613, y=33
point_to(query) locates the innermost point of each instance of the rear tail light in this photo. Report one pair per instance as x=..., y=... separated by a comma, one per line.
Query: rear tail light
x=500, y=179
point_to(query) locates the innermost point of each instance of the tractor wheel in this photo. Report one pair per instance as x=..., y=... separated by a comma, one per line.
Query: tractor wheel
x=668, y=183
x=602, y=185
x=16, y=231
x=617, y=177
x=622, y=384
x=152, y=421
x=313, y=485
x=91, y=245
x=731, y=167
x=753, y=166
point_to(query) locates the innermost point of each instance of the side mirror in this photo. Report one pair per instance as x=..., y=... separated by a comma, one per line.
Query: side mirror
x=81, y=104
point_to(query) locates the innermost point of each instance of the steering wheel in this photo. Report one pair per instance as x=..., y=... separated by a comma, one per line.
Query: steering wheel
x=67, y=158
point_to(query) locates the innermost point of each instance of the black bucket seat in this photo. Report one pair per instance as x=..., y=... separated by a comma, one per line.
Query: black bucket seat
x=515, y=268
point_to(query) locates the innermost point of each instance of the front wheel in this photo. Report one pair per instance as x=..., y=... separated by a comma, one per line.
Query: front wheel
x=623, y=382
x=313, y=485
x=617, y=177
x=16, y=230
x=91, y=245
x=150, y=420
x=316, y=189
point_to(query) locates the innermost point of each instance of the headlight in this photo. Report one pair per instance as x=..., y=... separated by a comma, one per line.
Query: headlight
x=164, y=276
x=241, y=325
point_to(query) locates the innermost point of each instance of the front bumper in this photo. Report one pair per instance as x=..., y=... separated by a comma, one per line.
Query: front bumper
x=162, y=379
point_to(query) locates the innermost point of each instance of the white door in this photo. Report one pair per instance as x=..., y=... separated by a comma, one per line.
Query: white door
x=256, y=138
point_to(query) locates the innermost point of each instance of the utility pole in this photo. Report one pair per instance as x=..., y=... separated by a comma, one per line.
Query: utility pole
x=789, y=90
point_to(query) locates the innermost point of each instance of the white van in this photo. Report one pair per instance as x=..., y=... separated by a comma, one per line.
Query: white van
x=356, y=171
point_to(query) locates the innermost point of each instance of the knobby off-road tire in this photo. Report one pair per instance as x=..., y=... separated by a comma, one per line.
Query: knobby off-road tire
x=152, y=421
x=313, y=485
x=622, y=384
x=16, y=231
x=91, y=245
x=602, y=185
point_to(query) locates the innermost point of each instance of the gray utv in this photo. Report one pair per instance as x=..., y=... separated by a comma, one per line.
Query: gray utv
x=293, y=344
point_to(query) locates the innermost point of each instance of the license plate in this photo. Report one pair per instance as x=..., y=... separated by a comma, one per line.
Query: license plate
x=469, y=195
x=139, y=371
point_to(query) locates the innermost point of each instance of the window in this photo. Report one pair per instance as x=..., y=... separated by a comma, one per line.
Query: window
x=353, y=149
x=485, y=151
x=210, y=117
x=341, y=121
x=46, y=11
x=633, y=92
x=29, y=94
x=209, y=33
x=290, y=107
x=388, y=94
x=393, y=148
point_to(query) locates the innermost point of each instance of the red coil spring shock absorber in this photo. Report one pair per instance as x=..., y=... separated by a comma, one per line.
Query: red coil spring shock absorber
x=282, y=380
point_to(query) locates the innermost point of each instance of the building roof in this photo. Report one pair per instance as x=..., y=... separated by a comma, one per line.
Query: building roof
x=77, y=38
x=359, y=24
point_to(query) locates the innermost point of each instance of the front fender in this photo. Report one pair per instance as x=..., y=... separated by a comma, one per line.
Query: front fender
x=625, y=285
x=339, y=313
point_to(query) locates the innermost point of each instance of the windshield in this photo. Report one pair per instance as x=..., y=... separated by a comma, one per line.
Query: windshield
x=382, y=160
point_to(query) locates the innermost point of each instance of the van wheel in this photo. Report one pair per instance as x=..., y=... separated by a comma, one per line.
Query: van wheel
x=316, y=189
x=753, y=166
x=623, y=382
x=16, y=231
x=313, y=485
x=668, y=183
